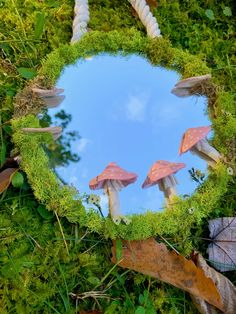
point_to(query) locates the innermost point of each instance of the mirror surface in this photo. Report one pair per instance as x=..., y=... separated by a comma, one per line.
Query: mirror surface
x=124, y=112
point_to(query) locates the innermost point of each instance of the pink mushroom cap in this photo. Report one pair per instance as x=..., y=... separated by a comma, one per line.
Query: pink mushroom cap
x=192, y=136
x=112, y=172
x=159, y=170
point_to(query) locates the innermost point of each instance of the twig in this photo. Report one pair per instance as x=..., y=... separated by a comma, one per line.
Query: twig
x=169, y=244
x=63, y=236
x=89, y=294
x=38, y=245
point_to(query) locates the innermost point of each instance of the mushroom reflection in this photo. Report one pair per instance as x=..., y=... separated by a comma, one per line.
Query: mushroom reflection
x=112, y=180
x=51, y=97
x=194, y=139
x=191, y=86
x=162, y=173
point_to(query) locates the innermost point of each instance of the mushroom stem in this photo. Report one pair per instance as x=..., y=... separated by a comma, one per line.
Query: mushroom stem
x=47, y=92
x=205, y=151
x=167, y=186
x=54, y=130
x=112, y=189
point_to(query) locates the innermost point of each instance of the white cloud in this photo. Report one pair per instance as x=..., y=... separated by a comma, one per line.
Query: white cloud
x=73, y=180
x=136, y=108
x=83, y=143
x=89, y=58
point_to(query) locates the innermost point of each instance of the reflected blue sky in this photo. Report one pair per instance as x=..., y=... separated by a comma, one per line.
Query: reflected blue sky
x=125, y=113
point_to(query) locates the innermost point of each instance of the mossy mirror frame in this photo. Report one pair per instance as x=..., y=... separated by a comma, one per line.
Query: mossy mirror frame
x=176, y=221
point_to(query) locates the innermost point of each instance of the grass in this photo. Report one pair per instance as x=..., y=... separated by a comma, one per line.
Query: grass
x=37, y=274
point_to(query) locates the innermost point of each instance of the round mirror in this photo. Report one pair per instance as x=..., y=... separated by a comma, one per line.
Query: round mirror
x=135, y=142
x=124, y=112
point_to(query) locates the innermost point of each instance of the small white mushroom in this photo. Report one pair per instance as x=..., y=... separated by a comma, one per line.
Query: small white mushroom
x=112, y=189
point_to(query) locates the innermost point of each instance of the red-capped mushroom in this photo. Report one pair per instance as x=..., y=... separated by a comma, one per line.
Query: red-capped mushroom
x=194, y=139
x=51, y=97
x=162, y=173
x=112, y=180
x=186, y=87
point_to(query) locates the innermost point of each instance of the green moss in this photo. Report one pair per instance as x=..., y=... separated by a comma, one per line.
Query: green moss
x=92, y=43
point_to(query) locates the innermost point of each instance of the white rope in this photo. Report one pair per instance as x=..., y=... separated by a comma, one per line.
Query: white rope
x=81, y=19
x=146, y=17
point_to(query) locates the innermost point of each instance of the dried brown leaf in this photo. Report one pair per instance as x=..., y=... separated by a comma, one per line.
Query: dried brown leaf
x=222, y=250
x=5, y=178
x=9, y=163
x=154, y=259
x=225, y=287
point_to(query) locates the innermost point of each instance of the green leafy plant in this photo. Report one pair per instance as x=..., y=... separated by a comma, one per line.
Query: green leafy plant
x=17, y=180
x=227, y=11
x=210, y=14
x=146, y=305
x=27, y=73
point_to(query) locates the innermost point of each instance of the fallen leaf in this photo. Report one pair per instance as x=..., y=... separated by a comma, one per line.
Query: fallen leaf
x=5, y=178
x=222, y=250
x=9, y=163
x=154, y=259
x=225, y=287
